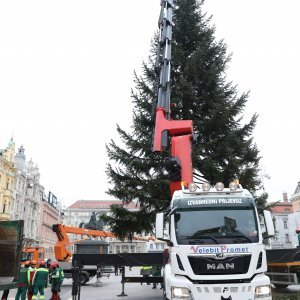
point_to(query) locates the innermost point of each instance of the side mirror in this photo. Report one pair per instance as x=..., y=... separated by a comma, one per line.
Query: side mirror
x=159, y=227
x=269, y=223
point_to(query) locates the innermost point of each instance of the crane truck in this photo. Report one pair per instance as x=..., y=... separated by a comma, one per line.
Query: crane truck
x=63, y=253
x=213, y=233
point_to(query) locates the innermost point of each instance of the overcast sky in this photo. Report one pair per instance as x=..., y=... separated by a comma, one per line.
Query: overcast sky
x=66, y=70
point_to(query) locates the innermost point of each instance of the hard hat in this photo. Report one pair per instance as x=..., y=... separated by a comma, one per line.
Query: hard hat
x=42, y=264
x=54, y=264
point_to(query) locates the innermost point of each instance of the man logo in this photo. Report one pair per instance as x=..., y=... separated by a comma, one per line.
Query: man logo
x=226, y=292
x=220, y=256
x=220, y=266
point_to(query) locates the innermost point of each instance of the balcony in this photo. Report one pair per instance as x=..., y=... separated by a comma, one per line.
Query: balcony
x=5, y=217
x=30, y=198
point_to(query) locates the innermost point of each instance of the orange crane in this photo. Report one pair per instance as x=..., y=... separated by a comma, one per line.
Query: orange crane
x=62, y=249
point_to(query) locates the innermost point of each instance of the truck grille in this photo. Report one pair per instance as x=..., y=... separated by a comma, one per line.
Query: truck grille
x=236, y=292
x=207, y=265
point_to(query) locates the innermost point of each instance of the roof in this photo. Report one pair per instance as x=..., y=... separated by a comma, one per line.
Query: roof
x=100, y=204
x=297, y=191
x=282, y=208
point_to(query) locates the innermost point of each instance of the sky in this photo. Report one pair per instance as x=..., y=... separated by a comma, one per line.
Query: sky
x=66, y=74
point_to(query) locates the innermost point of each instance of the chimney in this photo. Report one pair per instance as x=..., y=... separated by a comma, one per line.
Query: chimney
x=285, y=197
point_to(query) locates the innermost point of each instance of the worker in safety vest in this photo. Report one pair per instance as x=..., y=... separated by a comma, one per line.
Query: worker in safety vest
x=56, y=279
x=30, y=274
x=23, y=281
x=156, y=272
x=146, y=271
x=40, y=281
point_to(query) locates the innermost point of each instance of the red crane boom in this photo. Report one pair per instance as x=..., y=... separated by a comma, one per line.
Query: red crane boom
x=174, y=134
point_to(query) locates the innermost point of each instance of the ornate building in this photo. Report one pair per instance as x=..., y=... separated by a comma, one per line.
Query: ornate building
x=7, y=180
x=295, y=198
x=27, y=197
x=22, y=198
x=281, y=212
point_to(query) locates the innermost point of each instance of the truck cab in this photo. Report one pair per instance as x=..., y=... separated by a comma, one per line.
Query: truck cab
x=33, y=253
x=215, y=243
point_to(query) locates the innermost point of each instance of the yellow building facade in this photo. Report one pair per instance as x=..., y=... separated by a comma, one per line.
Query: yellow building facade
x=7, y=180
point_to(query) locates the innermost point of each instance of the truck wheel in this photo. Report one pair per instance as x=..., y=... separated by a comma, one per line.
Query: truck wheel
x=280, y=286
x=84, y=279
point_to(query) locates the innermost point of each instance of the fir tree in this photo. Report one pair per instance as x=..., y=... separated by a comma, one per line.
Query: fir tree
x=224, y=149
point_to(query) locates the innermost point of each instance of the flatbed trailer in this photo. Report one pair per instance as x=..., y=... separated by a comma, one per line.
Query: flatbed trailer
x=122, y=260
x=283, y=266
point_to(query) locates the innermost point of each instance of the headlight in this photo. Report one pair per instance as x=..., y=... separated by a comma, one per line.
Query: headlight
x=262, y=291
x=219, y=186
x=206, y=186
x=233, y=186
x=181, y=293
x=192, y=187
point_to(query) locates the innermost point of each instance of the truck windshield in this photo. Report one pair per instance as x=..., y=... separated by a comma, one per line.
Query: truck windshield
x=216, y=225
x=26, y=256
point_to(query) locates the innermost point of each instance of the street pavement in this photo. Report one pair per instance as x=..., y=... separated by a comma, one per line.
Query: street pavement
x=290, y=293
x=110, y=287
x=107, y=289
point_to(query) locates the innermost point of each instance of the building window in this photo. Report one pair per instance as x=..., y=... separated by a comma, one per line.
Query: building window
x=285, y=224
x=287, y=239
x=132, y=248
x=117, y=249
x=125, y=248
x=151, y=246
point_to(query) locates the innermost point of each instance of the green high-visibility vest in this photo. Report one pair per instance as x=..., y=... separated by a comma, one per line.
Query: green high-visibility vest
x=23, y=276
x=57, y=275
x=41, y=277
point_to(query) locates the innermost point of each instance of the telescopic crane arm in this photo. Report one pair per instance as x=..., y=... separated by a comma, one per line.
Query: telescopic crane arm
x=174, y=134
x=62, y=246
